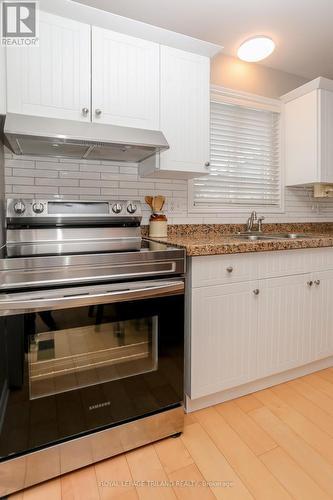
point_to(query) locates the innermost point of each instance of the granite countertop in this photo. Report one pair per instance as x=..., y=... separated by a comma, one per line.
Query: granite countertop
x=205, y=240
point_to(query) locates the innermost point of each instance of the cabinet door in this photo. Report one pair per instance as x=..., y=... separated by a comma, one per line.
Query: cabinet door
x=53, y=79
x=322, y=315
x=284, y=324
x=125, y=80
x=223, y=337
x=185, y=110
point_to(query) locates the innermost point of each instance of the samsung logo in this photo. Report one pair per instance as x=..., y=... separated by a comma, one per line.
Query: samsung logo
x=99, y=405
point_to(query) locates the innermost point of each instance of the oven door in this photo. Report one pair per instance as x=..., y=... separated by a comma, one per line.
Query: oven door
x=82, y=359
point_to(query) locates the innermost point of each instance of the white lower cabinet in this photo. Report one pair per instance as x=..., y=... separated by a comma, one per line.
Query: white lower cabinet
x=223, y=337
x=246, y=331
x=284, y=329
x=322, y=314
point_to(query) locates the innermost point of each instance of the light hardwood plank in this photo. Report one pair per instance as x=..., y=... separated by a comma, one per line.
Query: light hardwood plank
x=80, y=485
x=50, y=490
x=189, y=484
x=114, y=479
x=316, y=396
x=319, y=383
x=213, y=464
x=248, y=403
x=147, y=471
x=304, y=406
x=189, y=418
x=303, y=454
x=292, y=476
x=252, y=472
x=326, y=375
x=310, y=433
x=251, y=433
x=173, y=454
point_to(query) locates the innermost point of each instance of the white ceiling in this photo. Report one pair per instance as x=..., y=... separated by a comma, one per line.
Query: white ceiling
x=302, y=29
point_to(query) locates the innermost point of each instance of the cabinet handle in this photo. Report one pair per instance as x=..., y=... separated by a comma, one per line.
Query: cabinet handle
x=317, y=282
x=230, y=269
x=256, y=291
x=207, y=164
x=310, y=283
x=98, y=112
x=85, y=111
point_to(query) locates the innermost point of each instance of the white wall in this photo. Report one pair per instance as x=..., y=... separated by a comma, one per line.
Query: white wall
x=232, y=73
x=41, y=177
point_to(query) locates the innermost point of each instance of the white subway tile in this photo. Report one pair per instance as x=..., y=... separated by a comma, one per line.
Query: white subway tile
x=78, y=190
x=128, y=170
x=55, y=182
x=136, y=185
x=79, y=175
x=47, y=165
x=21, y=181
x=120, y=164
x=110, y=192
x=27, y=172
x=36, y=158
x=8, y=171
x=35, y=189
x=96, y=183
x=99, y=168
x=19, y=163
x=117, y=177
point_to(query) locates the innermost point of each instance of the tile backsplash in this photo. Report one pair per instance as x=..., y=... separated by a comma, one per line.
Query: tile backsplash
x=76, y=179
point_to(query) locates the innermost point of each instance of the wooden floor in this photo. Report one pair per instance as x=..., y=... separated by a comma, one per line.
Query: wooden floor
x=275, y=444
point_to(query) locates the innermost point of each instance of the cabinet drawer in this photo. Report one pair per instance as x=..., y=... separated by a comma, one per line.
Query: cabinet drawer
x=285, y=263
x=291, y=262
x=223, y=269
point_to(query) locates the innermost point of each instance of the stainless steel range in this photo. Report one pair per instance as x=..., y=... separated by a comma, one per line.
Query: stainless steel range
x=91, y=337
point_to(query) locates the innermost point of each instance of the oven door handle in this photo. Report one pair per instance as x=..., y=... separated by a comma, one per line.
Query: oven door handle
x=32, y=302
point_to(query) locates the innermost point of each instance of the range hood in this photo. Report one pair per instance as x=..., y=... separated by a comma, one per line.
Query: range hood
x=53, y=137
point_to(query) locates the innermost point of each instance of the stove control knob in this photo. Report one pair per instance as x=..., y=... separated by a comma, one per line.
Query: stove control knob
x=131, y=208
x=117, y=208
x=19, y=207
x=38, y=207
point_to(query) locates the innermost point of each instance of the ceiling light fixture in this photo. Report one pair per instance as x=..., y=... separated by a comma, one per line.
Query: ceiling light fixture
x=256, y=48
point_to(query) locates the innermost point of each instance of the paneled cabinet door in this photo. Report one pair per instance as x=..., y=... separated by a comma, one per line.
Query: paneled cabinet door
x=223, y=337
x=322, y=315
x=284, y=324
x=53, y=79
x=125, y=80
x=185, y=110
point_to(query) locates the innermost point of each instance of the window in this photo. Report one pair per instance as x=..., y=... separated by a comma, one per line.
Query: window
x=244, y=169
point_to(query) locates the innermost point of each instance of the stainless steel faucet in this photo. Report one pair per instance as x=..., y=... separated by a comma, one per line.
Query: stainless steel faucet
x=254, y=220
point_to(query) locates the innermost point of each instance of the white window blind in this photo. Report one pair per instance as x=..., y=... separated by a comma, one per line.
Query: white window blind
x=244, y=159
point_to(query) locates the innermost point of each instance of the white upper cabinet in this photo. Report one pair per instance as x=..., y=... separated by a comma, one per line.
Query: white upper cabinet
x=125, y=80
x=308, y=133
x=185, y=111
x=53, y=79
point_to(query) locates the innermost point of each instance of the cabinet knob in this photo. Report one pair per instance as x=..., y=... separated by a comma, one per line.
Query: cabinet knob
x=310, y=283
x=85, y=111
x=207, y=164
x=230, y=269
x=98, y=112
x=317, y=282
x=256, y=291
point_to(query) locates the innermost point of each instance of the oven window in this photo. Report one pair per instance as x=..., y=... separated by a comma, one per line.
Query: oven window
x=75, y=348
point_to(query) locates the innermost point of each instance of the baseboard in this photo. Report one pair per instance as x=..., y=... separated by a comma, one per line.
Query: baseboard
x=257, y=385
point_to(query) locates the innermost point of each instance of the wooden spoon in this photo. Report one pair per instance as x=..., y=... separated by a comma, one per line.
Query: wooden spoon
x=149, y=200
x=158, y=203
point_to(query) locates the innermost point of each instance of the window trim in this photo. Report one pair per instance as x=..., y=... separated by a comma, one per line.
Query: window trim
x=240, y=98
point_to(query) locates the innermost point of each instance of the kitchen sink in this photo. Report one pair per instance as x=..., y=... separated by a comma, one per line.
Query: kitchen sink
x=271, y=236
